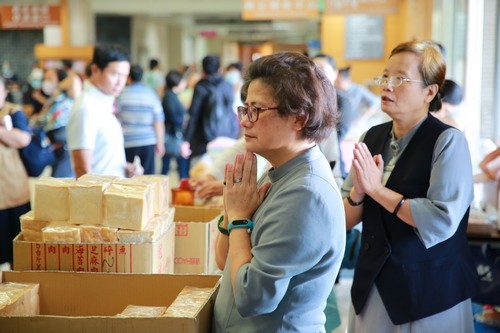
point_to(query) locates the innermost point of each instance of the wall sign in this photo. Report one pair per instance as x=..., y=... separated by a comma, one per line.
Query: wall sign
x=364, y=37
x=369, y=7
x=29, y=16
x=279, y=9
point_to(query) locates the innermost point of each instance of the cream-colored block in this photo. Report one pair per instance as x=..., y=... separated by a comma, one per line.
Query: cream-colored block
x=162, y=191
x=142, y=311
x=52, y=199
x=128, y=206
x=19, y=299
x=98, y=234
x=97, y=178
x=31, y=228
x=169, y=219
x=153, y=230
x=151, y=199
x=86, y=201
x=61, y=234
x=188, y=302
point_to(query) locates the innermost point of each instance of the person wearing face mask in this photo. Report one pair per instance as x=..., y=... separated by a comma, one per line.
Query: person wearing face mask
x=53, y=119
x=49, y=83
x=7, y=71
x=233, y=77
x=35, y=77
x=37, y=96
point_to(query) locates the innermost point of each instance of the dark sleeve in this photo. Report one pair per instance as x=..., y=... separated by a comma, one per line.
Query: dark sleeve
x=178, y=112
x=200, y=95
x=174, y=111
x=229, y=94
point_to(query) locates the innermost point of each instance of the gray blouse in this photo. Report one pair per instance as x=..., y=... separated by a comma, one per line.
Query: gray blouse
x=297, y=246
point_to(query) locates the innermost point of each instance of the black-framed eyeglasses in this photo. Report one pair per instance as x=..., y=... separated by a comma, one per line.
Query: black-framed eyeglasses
x=252, y=112
x=393, y=81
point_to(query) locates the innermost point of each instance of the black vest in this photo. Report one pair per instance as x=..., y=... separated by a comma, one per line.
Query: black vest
x=413, y=282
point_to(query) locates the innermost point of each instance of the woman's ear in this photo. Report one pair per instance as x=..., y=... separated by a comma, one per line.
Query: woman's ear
x=299, y=122
x=432, y=91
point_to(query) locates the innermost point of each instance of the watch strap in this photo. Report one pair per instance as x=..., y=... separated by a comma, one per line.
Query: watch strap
x=352, y=202
x=241, y=223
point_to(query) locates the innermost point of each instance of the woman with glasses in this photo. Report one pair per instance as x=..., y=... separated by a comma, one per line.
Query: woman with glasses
x=411, y=185
x=282, y=238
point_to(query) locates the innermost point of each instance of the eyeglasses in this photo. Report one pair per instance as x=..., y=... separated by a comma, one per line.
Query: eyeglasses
x=252, y=112
x=393, y=81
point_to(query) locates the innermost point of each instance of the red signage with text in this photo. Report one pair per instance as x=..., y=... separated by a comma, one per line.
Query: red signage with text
x=29, y=16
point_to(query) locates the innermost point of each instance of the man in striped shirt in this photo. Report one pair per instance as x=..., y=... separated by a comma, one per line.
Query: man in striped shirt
x=141, y=115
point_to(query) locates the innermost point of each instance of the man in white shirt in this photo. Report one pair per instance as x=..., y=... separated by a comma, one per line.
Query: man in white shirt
x=95, y=135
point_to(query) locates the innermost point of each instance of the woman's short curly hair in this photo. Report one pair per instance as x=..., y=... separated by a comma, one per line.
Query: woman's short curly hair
x=300, y=88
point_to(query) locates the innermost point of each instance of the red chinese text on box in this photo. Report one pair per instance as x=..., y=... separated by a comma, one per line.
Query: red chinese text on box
x=94, y=259
x=181, y=229
x=187, y=261
x=79, y=261
x=38, y=258
x=109, y=263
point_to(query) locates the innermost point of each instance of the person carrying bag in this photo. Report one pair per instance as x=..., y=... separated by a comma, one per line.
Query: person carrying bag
x=14, y=185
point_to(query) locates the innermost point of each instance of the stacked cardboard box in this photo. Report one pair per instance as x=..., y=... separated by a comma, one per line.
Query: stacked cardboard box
x=195, y=234
x=98, y=224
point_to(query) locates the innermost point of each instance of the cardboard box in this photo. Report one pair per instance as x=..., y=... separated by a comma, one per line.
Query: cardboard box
x=195, y=234
x=155, y=257
x=88, y=302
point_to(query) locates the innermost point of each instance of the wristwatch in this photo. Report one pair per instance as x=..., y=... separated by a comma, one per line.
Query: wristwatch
x=241, y=223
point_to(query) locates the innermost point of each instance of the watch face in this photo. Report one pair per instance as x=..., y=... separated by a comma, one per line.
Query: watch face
x=240, y=222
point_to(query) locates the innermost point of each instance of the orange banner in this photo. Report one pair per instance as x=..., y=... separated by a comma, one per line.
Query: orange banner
x=29, y=16
x=368, y=7
x=254, y=10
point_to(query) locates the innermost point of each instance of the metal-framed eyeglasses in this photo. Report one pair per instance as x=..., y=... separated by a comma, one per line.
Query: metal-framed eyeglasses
x=393, y=81
x=252, y=112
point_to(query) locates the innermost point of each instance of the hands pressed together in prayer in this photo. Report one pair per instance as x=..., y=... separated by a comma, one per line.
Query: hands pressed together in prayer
x=241, y=195
x=367, y=171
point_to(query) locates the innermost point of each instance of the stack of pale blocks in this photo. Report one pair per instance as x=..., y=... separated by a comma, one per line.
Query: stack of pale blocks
x=19, y=299
x=186, y=305
x=99, y=209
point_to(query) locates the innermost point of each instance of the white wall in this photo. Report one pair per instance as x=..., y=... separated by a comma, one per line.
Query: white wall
x=81, y=23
